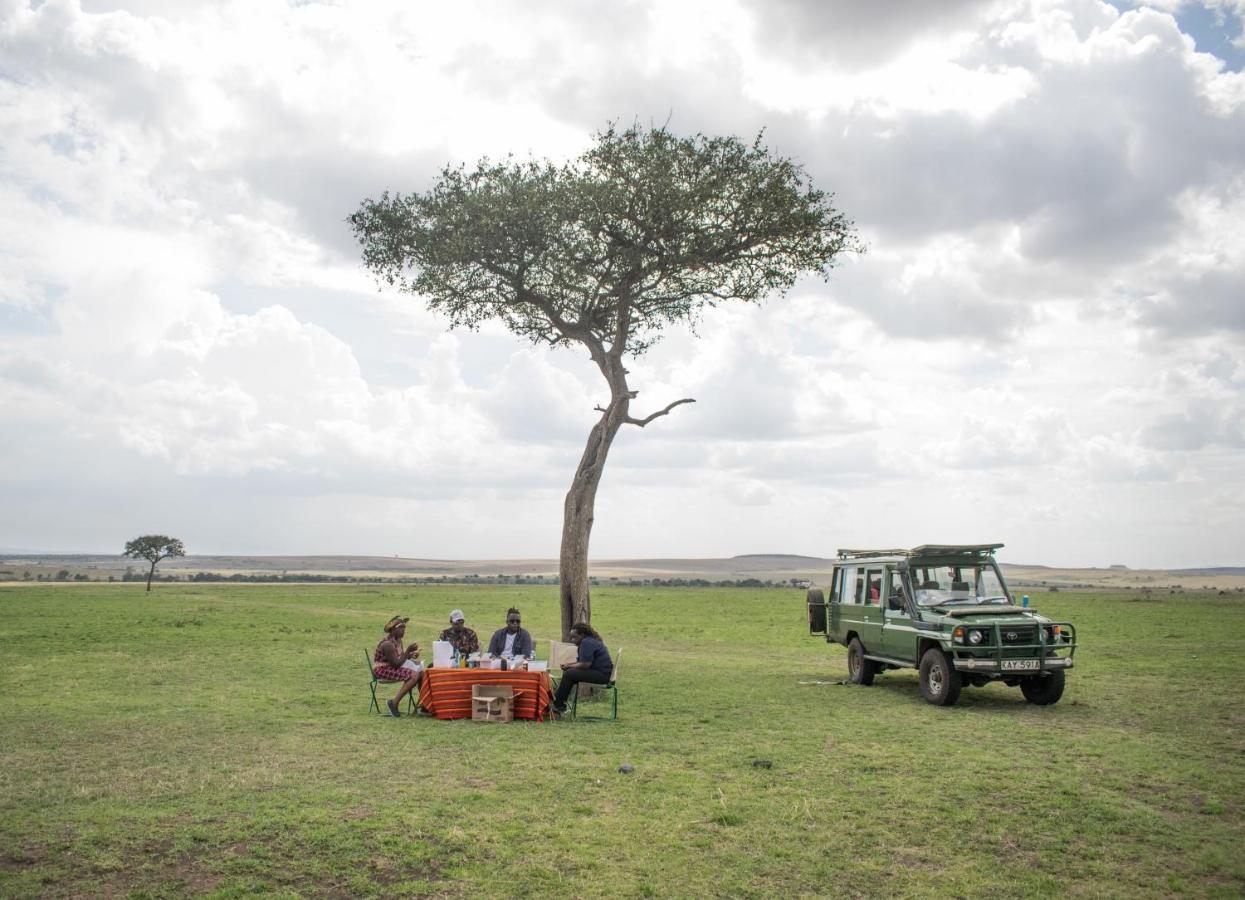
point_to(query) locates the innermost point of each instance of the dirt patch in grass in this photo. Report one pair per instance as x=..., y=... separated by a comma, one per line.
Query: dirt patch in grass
x=256, y=864
x=17, y=859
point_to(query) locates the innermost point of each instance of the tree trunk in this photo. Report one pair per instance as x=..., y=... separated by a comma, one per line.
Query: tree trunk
x=577, y=513
x=151, y=575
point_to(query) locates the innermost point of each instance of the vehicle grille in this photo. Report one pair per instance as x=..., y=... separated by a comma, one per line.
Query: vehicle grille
x=1018, y=634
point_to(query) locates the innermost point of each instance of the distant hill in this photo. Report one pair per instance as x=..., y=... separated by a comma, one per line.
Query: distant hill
x=773, y=567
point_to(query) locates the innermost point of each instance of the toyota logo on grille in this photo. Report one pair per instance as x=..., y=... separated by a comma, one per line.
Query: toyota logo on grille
x=1011, y=635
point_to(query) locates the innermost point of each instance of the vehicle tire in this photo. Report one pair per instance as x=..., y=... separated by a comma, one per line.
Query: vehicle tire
x=1043, y=690
x=859, y=669
x=940, y=682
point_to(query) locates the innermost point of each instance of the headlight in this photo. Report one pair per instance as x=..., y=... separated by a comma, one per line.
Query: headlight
x=976, y=637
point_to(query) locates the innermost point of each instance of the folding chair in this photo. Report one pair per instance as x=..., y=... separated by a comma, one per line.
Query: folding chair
x=410, y=698
x=611, y=688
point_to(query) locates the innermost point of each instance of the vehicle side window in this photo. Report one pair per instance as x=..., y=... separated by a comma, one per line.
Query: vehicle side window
x=860, y=586
x=843, y=581
x=874, y=587
x=894, y=591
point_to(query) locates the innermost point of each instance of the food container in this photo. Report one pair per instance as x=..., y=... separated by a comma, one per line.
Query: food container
x=442, y=654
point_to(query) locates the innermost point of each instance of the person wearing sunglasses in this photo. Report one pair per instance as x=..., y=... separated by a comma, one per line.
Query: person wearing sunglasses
x=513, y=640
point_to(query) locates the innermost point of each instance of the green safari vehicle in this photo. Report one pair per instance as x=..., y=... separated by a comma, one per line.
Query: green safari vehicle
x=944, y=610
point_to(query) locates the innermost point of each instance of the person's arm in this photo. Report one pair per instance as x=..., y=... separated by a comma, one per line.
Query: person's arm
x=524, y=638
x=473, y=642
x=392, y=656
x=581, y=662
x=497, y=642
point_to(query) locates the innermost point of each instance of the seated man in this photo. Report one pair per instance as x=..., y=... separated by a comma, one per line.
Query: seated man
x=391, y=663
x=513, y=640
x=458, y=634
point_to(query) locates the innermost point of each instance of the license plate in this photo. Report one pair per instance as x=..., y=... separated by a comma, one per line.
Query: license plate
x=1011, y=665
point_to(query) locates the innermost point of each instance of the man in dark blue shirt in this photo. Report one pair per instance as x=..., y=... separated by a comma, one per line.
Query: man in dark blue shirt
x=593, y=664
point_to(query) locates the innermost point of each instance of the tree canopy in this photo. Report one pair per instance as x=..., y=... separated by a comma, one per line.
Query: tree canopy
x=644, y=230
x=153, y=548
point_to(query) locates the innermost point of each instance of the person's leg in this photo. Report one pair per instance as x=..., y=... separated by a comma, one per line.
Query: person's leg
x=572, y=677
x=407, y=686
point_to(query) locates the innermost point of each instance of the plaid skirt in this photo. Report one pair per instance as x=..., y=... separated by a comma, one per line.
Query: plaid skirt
x=389, y=673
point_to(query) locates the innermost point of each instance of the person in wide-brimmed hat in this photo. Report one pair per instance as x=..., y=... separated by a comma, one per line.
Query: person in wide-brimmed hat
x=458, y=634
x=391, y=663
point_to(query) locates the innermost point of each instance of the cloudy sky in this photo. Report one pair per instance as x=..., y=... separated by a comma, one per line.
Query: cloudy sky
x=1043, y=344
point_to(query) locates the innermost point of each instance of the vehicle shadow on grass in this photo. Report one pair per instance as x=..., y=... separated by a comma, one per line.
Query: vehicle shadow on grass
x=990, y=697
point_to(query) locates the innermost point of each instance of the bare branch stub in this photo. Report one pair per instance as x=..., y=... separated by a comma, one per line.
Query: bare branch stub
x=642, y=422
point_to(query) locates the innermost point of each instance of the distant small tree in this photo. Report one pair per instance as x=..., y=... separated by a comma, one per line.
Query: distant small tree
x=153, y=548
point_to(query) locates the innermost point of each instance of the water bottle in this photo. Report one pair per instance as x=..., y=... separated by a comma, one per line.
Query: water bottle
x=1024, y=600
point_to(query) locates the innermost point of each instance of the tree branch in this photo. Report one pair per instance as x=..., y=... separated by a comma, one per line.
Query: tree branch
x=642, y=422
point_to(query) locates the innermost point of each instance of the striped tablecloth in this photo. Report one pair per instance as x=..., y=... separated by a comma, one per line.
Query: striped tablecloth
x=446, y=693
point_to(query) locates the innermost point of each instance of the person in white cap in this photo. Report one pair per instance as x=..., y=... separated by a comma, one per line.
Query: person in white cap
x=458, y=634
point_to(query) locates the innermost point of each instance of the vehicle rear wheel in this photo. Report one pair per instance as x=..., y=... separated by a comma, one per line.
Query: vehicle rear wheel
x=1043, y=690
x=940, y=682
x=859, y=669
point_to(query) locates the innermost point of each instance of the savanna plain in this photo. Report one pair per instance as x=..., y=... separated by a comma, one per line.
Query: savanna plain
x=217, y=739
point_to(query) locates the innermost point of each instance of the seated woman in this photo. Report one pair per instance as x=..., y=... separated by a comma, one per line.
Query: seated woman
x=391, y=663
x=593, y=664
x=513, y=640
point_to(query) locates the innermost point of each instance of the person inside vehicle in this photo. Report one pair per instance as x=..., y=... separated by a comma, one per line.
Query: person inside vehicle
x=391, y=663
x=593, y=664
x=513, y=640
x=459, y=635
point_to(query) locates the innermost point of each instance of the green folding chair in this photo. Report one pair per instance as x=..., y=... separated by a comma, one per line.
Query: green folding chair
x=597, y=690
x=410, y=698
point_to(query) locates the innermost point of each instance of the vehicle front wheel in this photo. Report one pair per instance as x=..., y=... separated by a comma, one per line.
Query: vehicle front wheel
x=1043, y=690
x=940, y=682
x=859, y=669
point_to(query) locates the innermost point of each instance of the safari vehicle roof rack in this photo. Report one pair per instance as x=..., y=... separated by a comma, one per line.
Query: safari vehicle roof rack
x=925, y=550
x=954, y=549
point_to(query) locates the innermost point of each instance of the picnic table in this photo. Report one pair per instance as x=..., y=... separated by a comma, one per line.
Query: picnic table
x=446, y=693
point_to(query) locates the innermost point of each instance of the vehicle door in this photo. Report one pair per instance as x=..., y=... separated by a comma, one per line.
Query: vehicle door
x=868, y=593
x=898, y=634
x=845, y=607
x=834, y=607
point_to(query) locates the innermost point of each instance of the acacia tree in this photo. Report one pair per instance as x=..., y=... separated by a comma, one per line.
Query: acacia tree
x=153, y=547
x=642, y=231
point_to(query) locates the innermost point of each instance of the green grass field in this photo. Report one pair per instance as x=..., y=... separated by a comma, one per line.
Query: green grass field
x=215, y=739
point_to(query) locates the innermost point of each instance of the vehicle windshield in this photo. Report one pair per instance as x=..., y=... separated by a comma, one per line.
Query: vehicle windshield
x=939, y=585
